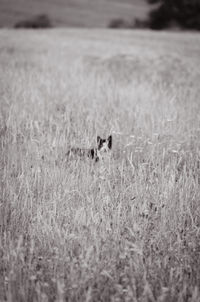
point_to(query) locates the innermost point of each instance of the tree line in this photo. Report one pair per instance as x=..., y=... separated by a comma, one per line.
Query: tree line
x=183, y=14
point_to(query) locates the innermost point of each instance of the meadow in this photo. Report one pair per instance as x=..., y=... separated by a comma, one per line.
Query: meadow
x=123, y=229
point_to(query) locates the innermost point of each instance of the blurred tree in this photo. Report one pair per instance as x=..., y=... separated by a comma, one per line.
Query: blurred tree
x=185, y=13
x=39, y=21
x=119, y=23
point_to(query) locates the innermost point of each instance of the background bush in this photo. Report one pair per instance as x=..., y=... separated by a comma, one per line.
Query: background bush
x=119, y=23
x=40, y=21
x=184, y=13
x=135, y=23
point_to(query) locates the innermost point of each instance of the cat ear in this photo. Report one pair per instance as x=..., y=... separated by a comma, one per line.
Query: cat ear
x=110, y=141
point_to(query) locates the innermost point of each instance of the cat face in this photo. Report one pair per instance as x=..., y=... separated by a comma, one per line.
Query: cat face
x=104, y=145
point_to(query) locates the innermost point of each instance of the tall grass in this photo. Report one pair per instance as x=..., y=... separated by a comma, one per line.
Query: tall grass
x=128, y=228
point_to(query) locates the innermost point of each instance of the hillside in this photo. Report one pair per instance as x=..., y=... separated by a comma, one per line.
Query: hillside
x=82, y=13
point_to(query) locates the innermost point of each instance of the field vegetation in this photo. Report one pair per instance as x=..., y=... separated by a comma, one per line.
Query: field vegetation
x=127, y=228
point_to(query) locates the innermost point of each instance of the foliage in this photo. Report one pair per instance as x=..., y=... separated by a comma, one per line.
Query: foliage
x=40, y=21
x=119, y=23
x=138, y=23
x=185, y=13
x=123, y=24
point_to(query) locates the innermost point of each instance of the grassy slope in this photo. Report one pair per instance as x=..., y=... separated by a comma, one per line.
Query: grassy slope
x=89, y=13
x=116, y=231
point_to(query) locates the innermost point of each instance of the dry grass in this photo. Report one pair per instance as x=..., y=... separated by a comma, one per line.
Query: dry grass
x=127, y=229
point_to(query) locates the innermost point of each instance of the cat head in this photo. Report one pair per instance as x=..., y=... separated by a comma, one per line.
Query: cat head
x=104, y=145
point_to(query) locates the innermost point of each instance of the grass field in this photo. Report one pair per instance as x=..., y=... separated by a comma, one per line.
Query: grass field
x=128, y=228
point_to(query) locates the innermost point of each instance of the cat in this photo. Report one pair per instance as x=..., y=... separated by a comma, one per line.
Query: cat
x=103, y=147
